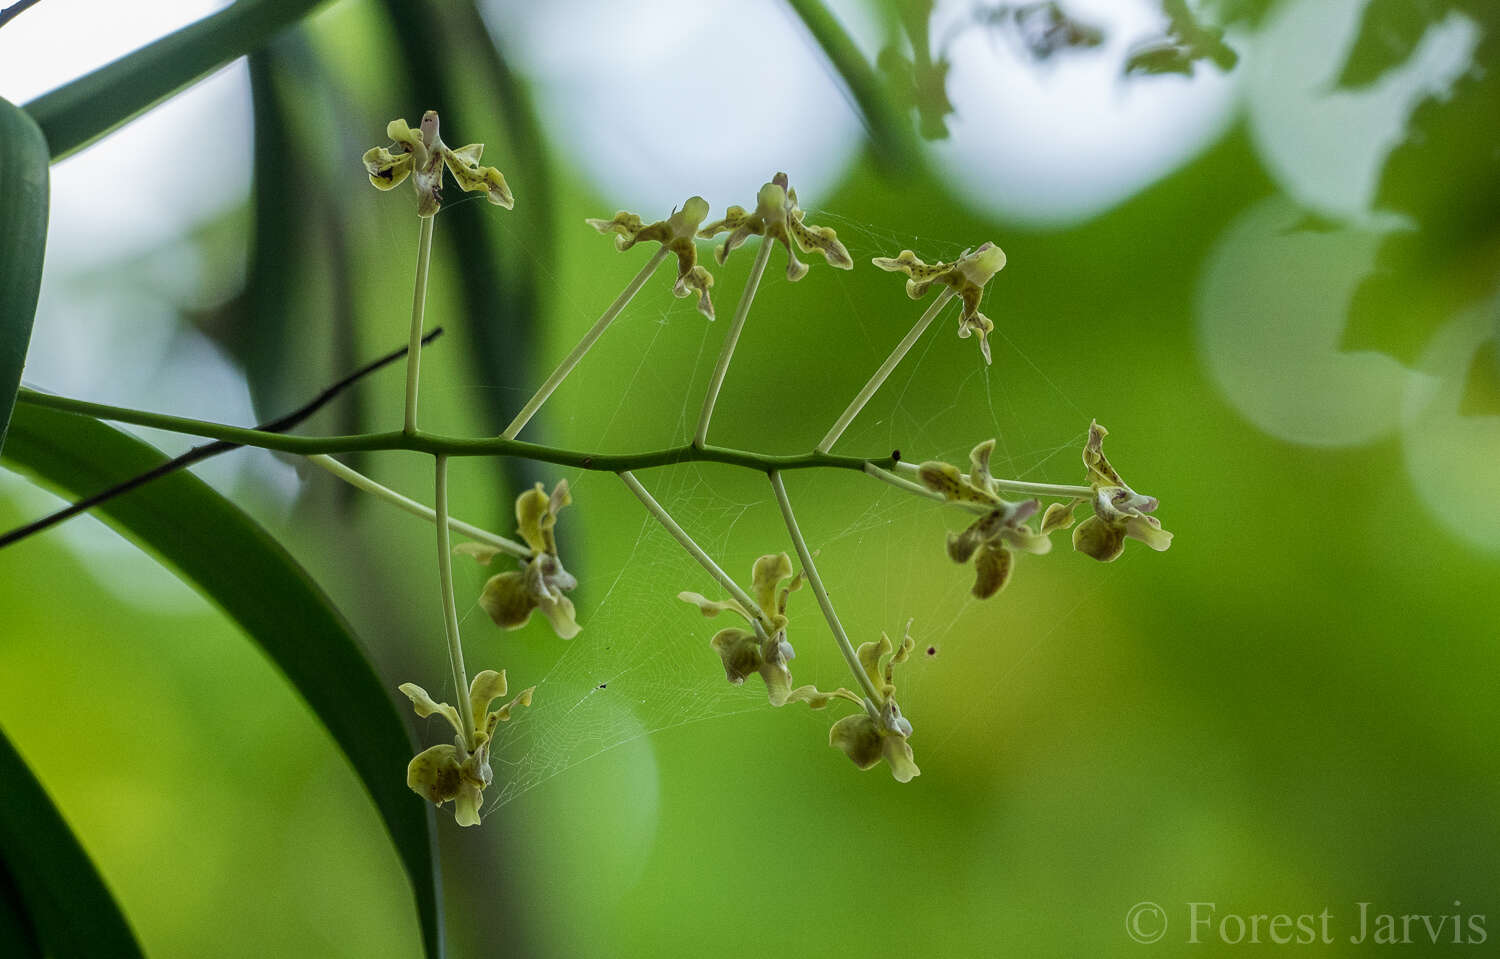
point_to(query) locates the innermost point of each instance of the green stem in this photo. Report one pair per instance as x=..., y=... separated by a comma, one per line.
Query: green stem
x=450, y=607
x=584, y=345
x=694, y=550
x=721, y=368
x=360, y=481
x=434, y=444
x=882, y=374
x=886, y=476
x=873, y=696
x=1054, y=490
x=888, y=127
x=418, y=307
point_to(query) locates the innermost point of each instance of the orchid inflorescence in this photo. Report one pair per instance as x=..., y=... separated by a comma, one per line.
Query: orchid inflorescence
x=999, y=529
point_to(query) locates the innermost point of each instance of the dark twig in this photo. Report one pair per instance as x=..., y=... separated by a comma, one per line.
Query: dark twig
x=15, y=9
x=199, y=453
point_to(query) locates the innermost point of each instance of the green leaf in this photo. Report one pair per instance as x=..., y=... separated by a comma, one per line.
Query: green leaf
x=75, y=115
x=1444, y=178
x=65, y=908
x=23, y=239
x=235, y=562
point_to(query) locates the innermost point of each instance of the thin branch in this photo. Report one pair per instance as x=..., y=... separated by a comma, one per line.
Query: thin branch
x=15, y=10
x=434, y=444
x=200, y=453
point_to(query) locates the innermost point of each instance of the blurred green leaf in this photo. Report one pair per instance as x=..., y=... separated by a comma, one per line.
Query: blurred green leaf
x=1388, y=33
x=263, y=338
x=23, y=240
x=890, y=132
x=78, y=113
x=17, y=936
x=235, y=562
x=1445, y=178
x=68, y=909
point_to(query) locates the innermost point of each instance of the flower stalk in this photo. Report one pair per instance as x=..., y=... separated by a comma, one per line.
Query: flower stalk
x=881, y=375
x=872, y=695
x=584, y=345
x=362, y=482
x=418, y=308
x=445, y=583
x=721, y=368
x=1054, y=490
x=694, y=550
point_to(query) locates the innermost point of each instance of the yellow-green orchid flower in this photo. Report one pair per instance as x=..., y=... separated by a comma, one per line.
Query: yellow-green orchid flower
x=1119, y=511
x=966, y=276
x=765, y=649
x=778, y=217
x=675, y=233
x=510, y=598
x=421, y=155
x=867, y=739
x=990, y=539
x=461, y=772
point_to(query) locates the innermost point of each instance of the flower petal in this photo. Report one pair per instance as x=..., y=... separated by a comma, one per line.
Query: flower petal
x=945, y=478
x=486, y=687
x=531, y=508
x=561, y=614
x=740, y=651
x=991, y=571
x=463, y=163
x=1148, y=530
x=857, y=735
x=508, y=600
x=897, y=754
x=1094, y=537
x=501, y=715
x=387, y=170
x=1059, y=516
x=434, y=775
x=713, y=607
x=819, y=239
x=466, y=804
x=425, y=705
x=766, y=575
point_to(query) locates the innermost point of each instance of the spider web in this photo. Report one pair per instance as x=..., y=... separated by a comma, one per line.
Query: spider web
x=643, y=664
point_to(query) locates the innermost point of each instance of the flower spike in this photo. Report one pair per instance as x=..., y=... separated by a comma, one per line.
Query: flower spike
x=461, y=772
x=510, y=598
x=778, y=217
x=675, y=234
x=421, y=155
x=1119, y=511
x=989, y=540
x=966, y=276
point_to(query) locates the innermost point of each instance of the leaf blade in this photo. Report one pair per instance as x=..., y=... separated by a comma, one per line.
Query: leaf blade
x=69, y=909
x=78, y=113
x=193, y=529
x=23, y=240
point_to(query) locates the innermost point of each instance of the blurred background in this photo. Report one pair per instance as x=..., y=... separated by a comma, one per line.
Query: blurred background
x=1257, y=240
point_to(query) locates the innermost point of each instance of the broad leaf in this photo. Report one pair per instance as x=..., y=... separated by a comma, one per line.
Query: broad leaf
x=23, y=238
x=52, y=899
x=236, y=563
x=74, y=115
